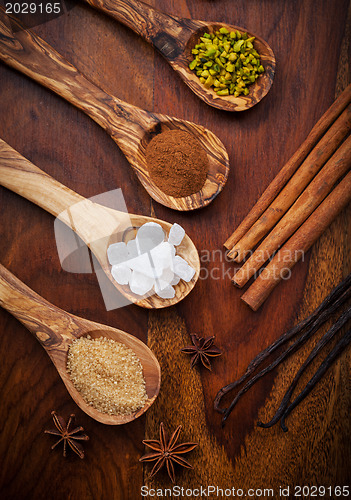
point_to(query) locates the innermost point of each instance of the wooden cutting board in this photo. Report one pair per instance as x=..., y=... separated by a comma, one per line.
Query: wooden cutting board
x=310, y=41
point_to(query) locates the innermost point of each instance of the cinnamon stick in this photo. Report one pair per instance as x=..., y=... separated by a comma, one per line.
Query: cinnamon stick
x=291, y=166
x=305, y=173
x=308, y=201
x=298, y=244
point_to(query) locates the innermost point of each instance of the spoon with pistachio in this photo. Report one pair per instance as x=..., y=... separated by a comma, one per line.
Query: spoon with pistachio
x=132, y=128
x=98, y=226
x=175, y=38
x=56, y=329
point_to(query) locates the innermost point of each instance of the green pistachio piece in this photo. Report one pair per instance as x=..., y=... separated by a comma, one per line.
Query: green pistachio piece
x=193, y=64
x=210, y=53
x=223, y=30
x=209, y=82
x=223, y=92
x=237, y=45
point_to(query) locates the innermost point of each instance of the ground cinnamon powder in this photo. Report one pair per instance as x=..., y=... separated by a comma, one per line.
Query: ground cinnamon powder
x=177, y=163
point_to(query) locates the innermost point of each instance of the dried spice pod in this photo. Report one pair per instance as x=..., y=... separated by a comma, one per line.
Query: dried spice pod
x=306, y=328
x=167, y=452
x=67, y=435
x=201, y=350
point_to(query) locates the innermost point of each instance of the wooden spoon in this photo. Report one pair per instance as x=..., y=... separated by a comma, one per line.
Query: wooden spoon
x=130, y=127
x=98, y=226
x=56, y=329
x=174, y=38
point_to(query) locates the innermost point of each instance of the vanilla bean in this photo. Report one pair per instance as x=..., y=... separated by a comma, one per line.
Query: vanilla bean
x=323, y=368
x=321, y=314
x=328, y=336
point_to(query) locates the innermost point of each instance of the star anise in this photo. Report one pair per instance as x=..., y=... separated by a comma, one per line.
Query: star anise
x=201, y=350
x=167, y=452
x=67, y=435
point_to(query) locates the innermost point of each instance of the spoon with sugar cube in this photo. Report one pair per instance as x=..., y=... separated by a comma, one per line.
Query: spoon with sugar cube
x=150, y=262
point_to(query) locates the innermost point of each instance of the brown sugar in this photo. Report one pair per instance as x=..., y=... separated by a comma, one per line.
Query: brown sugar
x=177, y=163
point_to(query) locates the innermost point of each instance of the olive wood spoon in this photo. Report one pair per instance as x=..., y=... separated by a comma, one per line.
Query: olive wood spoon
x=56, y=329
x=174, y=38
x=130, y=127
x=98, y=226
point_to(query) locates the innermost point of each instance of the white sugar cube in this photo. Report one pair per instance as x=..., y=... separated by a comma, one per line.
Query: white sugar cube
x=149, y=236
x=121, y=273
x=132, y=249
x=175, y=280
x=117, y=253
x=142, y=264
x=165, y=279
x=182, y=269
x=176, y=235
x=166, y=293
x=140, y=284
x=162, y=256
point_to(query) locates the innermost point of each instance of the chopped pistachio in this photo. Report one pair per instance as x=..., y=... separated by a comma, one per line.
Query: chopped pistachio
x=193, y=64
x=227, y=62
x=223, y=92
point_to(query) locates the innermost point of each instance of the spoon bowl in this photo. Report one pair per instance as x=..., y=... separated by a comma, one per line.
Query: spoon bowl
x=217, y=160
x=129, y=126
x=98, y=226
x=257, y=90
x=56, y=329
x=174, y=38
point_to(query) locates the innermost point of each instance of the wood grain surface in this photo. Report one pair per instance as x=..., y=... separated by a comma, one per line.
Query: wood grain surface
x=311, y=43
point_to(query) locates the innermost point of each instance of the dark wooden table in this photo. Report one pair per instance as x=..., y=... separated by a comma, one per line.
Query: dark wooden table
x=310, y=40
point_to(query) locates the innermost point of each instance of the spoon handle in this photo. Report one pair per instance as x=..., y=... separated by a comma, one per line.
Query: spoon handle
x=23, y=50
x=34, y=312
x=22, y=177
x=166, y=33
x=91, y=221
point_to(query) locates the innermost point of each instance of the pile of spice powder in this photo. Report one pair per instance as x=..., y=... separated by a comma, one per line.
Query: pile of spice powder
x=107, y=374
x=177, y=163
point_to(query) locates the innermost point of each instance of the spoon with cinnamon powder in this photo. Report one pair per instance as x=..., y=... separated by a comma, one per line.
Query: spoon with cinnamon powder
x=132, y=128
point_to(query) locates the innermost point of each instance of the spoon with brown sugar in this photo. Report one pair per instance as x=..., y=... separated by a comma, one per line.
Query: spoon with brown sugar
x=56, y=329
x=174, y=38
x=132, y=128
x=97, y=225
